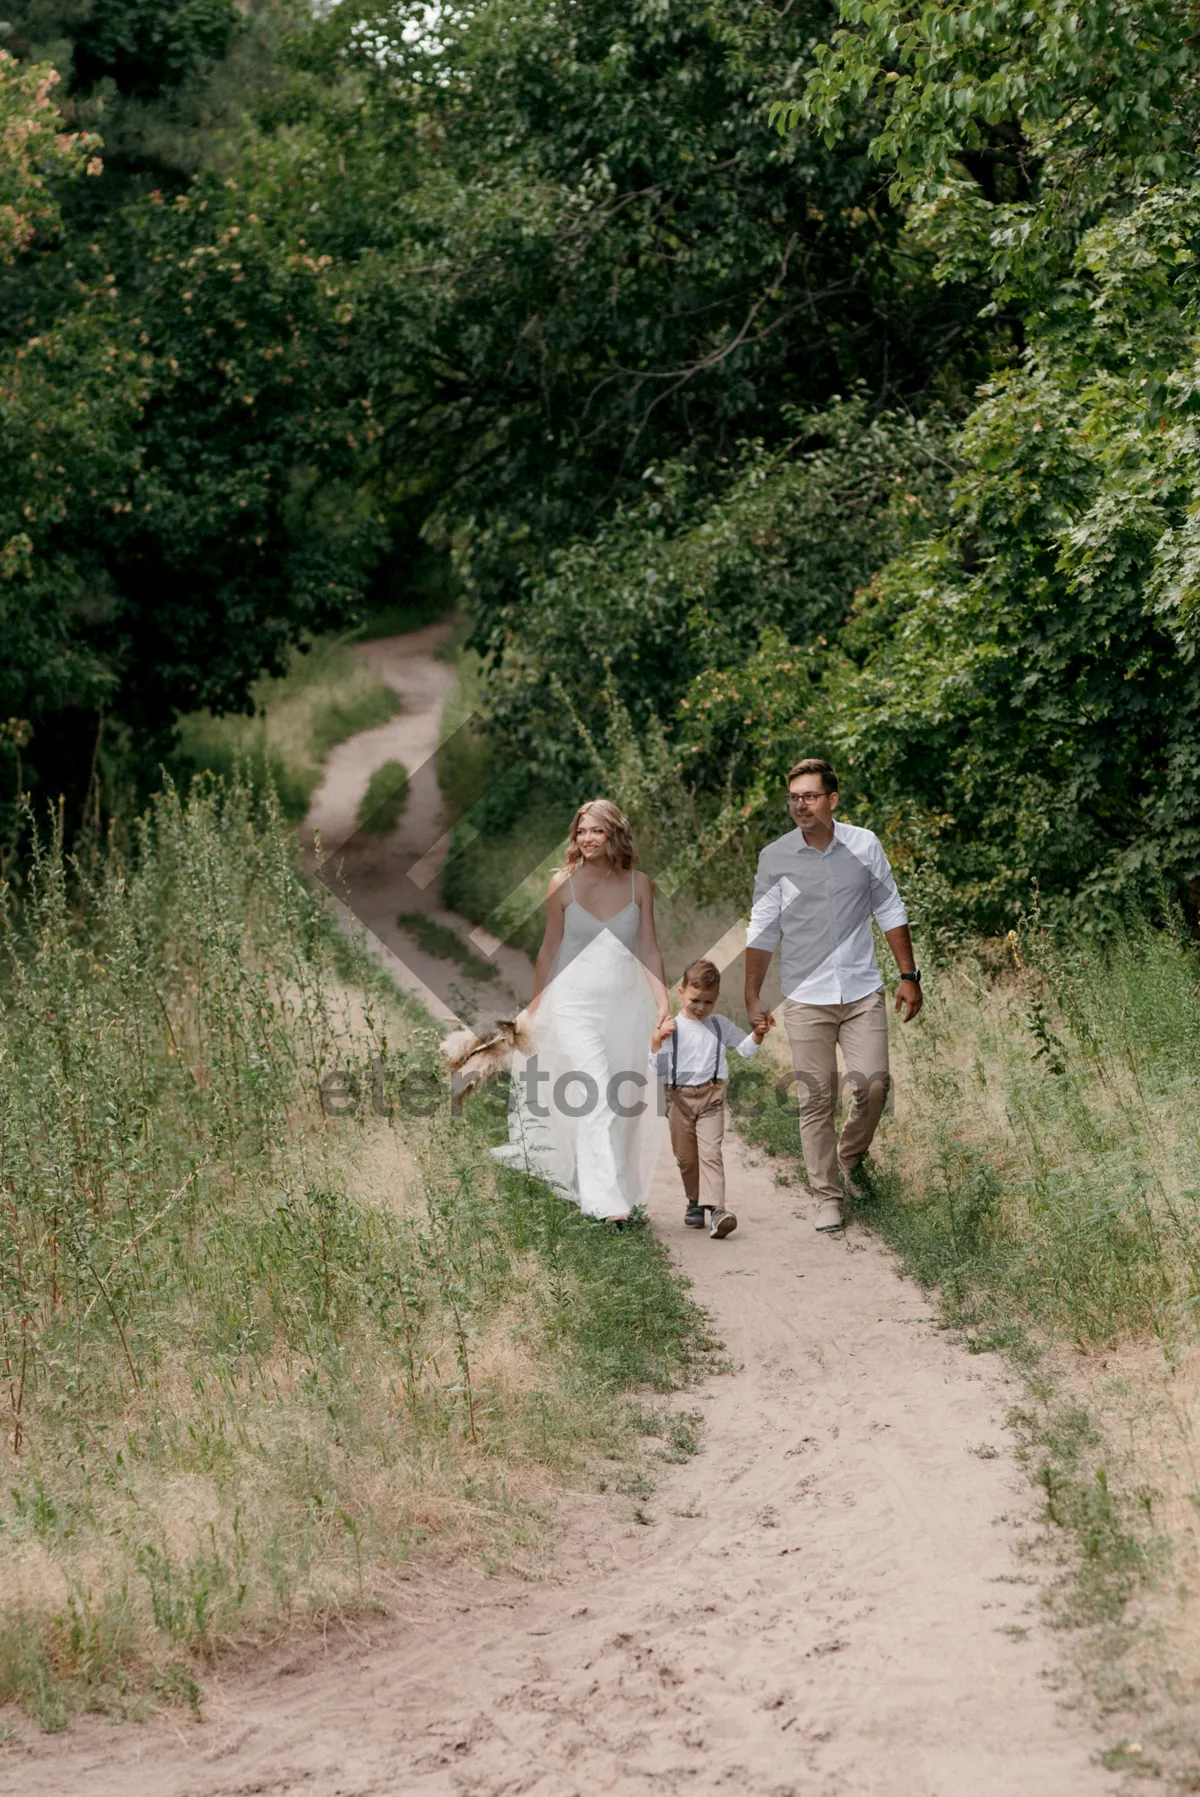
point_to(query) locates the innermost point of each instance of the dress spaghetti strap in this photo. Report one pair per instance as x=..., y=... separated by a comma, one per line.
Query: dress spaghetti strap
x=571, y=884
x=632, y=887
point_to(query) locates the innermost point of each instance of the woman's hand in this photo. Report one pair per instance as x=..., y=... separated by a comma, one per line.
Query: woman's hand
x=663, y=1028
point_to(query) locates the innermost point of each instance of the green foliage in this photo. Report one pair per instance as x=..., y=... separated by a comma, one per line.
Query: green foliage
x=685, y=581
x=1018, y=697
x=34, y=152
x=1029, y=681
x=165, y=464
x=179, y=447
x=589, y=338
x=145, y=47
x=613, y=264
x=163, y=81
x=320, y=305
x=1017, y=126
x=440, y=940
x=1014, y=696
x=381, y=806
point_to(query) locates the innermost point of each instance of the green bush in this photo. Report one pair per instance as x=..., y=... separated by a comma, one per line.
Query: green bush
x=382, y=805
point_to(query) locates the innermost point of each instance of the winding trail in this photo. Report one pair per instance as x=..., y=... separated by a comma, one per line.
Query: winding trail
x=381, y=876
x=832, y=1598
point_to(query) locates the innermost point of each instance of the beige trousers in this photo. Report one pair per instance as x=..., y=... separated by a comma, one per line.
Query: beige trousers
x=696, y=1120
x=815, y=1033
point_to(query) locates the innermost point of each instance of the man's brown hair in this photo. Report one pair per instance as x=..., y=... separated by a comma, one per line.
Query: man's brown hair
x=705, y=976
x=829, y=780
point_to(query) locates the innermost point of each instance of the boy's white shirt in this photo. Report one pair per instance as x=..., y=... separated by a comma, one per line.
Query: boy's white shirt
x=698, y=1049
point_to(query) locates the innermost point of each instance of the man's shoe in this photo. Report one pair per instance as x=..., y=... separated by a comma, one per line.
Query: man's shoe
x=693, y=1216
x=723, y=1223
x=829, y=1216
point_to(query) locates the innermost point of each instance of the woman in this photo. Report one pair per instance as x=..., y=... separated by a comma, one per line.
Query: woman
x=584, y=1115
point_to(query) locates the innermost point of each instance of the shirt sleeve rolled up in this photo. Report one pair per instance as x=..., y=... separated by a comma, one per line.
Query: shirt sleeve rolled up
x=764, y=928
x=886, y=902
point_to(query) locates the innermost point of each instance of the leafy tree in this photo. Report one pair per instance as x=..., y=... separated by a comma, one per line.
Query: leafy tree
x=605, y=262
x=179, y=438
x=34, y=152
x=1018, y=697
x=1014, y=696
x=685, y=580
x=1014, y=127
x=172, y=470
x=464, y=286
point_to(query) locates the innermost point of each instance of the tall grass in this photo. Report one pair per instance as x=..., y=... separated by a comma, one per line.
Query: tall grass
x=252, y=1353
x=1044, y=1160
x=326, y=696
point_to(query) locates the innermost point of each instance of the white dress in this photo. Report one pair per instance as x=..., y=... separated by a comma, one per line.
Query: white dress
x=584, y=1109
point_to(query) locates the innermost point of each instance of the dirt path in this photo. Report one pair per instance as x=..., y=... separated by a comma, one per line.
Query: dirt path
x=830, y=1599
x=382, y=877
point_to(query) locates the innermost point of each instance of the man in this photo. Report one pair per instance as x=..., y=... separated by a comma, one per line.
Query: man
x=817, y=889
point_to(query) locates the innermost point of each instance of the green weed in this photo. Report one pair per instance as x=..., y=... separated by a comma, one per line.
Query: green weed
x=440, y=940
x=381, y=806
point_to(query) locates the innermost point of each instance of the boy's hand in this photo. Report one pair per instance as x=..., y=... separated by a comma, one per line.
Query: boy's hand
x=664, y=1028
x=765, y=1023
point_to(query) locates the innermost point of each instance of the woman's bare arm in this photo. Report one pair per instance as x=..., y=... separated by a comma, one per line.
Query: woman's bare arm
x=551, y=938
x=649, y=953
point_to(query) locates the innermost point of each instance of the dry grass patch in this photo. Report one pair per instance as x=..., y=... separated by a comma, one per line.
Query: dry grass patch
x=253, y=1355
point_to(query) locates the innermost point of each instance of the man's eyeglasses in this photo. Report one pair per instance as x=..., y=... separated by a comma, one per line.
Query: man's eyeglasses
x=805, y=798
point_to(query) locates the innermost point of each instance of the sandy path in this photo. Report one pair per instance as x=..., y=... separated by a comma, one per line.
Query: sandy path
x=820, y=1602
x=830, y=1599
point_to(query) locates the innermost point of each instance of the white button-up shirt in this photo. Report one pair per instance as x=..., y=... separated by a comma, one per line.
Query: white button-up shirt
x=695, y=1052
x=820, y=902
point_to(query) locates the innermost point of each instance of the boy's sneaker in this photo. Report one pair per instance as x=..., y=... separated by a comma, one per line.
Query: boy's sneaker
x=723, y=1223
x=829, y=1216
x=693, y=1216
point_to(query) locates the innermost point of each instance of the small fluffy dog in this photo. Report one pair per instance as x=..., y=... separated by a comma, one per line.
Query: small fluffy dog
x=472, y=1060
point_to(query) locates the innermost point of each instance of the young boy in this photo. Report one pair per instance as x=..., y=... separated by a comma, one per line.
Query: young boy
x=694, y=1067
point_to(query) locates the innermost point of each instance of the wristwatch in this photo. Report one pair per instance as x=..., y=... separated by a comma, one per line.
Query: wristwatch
x=914, y=976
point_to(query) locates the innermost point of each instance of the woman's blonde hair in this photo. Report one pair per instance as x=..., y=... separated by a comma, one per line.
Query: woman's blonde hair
x=619, y=847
